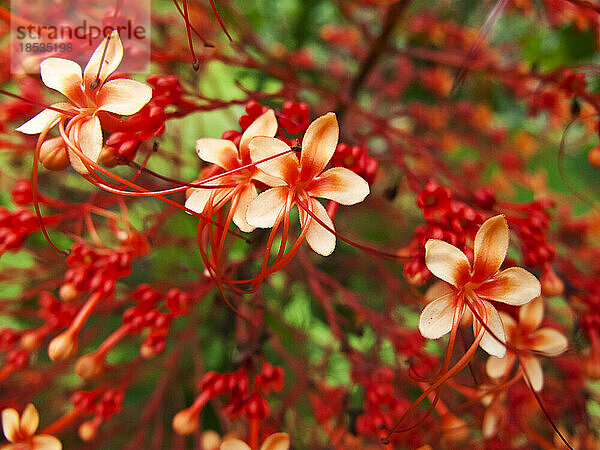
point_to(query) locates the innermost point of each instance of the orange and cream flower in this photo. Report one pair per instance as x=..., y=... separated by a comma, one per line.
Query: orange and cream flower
x=527, y=338
x=20, y=431
x=302, y=181
x=89, y=93
x=473, y=286
x=277, y=441
x=225, y=154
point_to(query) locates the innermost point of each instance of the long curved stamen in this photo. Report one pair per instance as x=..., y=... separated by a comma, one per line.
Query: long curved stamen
x=205, y=260
x=272, y=234
x=541, y=405
x=218, y=250
x=34, y=191
x=33, y=102
x=456, y=319
x=286, y=224
x=95, y=166
x=365, y=248
x=96, y=83
x=204, y=41
x=219, y=19
x=186, y=17
x=142, y=192
x=461, y=364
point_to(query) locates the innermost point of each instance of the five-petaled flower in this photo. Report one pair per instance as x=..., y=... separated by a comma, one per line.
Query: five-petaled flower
x=225, y=154
x=21, y=431
x=277, y=441
x=301, y=181
x=89, y=94
x=526, y=337
x=472, y=286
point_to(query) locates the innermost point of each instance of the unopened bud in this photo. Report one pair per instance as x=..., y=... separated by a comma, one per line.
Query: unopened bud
x=147, y=351
x=210, y=440
x=88, y=430
x=185, y=422
x=453, y=428
x=416, y=279
x=89, y=366
x=63, y=346
x=594, y=157
x=403, y=252
x=53, y=154
x=30, y=341
x=552, y=285
x=68, y=292
x=108, y=156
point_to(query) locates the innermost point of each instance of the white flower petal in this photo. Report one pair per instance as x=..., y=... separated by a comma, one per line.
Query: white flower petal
x=318, y=238
x=436, y=318
x=447, y=262
x=263, y=125
x=89, y=140
x=112, y=50
x=200, y=197
x=284, y=167
x=30, y=419
x=64, y=76
x=318, y=145
x=198, y=200
x=234, y=444
x=246, y=196
x=489, y=427
x=263, y=211
x=490, y=247
x=10, y=424
x=46, y=119
x=549, y=341
x=340, y=185
x=489, y=343
x=123, y=96
x=514, y=286
x=436, y=290
x=499, y=367
x=277, y=441
x=532, y=366
x=46, y=442
x=221, y=152
x=532, y=314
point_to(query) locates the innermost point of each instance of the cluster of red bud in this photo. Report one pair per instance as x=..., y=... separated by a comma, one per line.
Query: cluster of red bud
x=456, y=222
x=101, y=403
x=15, y=226
x=19, y=344
x=94, y=270
x=446, y=219
x=244, y=398
x=146, y=315
x=382, y=404
x=149, y=122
